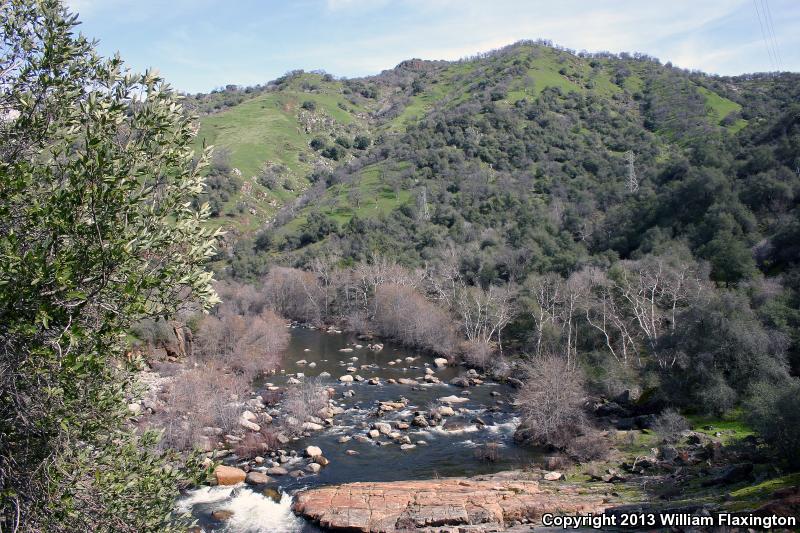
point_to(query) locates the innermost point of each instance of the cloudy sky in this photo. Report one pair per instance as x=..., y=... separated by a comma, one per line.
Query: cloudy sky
x=202, y=44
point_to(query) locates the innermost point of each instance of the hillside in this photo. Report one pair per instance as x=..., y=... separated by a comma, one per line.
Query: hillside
x=269, y=132
x=518, y=162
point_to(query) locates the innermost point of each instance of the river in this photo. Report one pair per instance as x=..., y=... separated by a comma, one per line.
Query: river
x=444, y=451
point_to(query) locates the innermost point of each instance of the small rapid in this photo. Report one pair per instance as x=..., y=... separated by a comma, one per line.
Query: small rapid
x=477, y=438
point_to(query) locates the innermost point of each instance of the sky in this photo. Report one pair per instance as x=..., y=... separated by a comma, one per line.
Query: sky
x=199, y=45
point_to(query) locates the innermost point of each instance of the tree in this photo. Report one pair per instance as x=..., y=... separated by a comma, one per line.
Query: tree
x=97, y=232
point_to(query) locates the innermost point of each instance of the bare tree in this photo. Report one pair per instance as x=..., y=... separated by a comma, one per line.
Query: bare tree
x=483, y=314
x=551, y=400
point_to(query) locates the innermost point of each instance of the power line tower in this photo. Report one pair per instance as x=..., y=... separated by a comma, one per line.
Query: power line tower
x=422, y=203
x=633, y=181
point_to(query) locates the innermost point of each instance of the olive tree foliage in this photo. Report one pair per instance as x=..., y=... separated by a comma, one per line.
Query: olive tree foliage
x=97, y=231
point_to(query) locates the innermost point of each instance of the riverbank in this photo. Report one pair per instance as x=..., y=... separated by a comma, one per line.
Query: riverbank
x=430, y=422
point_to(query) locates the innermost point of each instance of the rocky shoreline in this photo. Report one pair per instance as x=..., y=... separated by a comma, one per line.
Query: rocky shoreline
x=479, y=504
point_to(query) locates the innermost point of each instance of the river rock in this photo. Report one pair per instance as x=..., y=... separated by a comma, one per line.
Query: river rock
x=312, y=426
x=321, y=460
x=221, y=514
x=277, y=471
x=420, y=421
x=346, y=378
x=374, y=433
x=351, y=452
x=313, y=451
x=453, y=399
x=257, y=478
x=433, y=504
x=406, y=381
x=553, y=476
x=292, y=381
x=345, y=350
x=344, y=438
x=229, y=475
x=314, y=468
x=383, y=427
x=252, y=426
x=440, y=362
x=460, y=381
x=301, y=362
x=445, y=410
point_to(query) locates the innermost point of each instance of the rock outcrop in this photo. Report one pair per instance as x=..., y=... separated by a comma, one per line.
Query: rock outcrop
x=486, y=503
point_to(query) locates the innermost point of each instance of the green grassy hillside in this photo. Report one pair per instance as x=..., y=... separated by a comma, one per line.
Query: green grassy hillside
x=274, y=127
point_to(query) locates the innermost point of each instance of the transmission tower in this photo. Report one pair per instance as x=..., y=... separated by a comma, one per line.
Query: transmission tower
x=633, y=181
x=422, y=203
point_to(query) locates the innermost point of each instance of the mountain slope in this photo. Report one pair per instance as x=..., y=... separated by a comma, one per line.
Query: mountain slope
x=519, y=158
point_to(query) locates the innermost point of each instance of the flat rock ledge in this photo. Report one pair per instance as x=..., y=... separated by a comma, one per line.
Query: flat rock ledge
x=454, y=504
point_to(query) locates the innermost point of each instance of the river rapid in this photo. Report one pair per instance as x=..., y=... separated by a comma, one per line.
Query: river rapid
x=452, y=449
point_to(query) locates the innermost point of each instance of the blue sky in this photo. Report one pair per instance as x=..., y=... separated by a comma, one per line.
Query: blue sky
x=202, y=44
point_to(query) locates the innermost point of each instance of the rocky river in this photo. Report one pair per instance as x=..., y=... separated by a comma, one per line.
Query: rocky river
x=398, y=417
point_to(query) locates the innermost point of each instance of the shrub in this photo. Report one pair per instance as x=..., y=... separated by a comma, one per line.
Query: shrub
x=361, y=142
x=551, y=401
x=488, y=452
x=250, y=345
x=591, y=446
x=203, y=396
x=318, y=143
x=309, y=105
x=405, y=315
x=774, y=413
x=302, y=401
x=295, y=294
x=669, y=425
x=477, y=354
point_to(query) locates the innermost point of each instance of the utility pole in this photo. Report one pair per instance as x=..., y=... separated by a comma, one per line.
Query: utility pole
x=633, y=182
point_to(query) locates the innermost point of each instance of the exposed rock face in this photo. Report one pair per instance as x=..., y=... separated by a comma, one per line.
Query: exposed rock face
x=420, y=505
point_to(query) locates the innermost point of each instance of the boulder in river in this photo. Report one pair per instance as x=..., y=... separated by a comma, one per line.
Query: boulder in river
x=420, y=421
x=257, y=478
x=221, y=514
x=346, y=378
x=383, y=427
x=313, y=451
x=277, y=471
x=440, y=362
x=229, y=475
x=453, y=399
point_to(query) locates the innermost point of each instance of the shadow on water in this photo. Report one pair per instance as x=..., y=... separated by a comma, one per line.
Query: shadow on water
x=485, y=420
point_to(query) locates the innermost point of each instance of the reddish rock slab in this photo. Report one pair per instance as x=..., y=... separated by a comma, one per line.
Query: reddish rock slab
x=485, y=503
x=229, y=475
